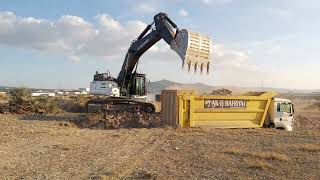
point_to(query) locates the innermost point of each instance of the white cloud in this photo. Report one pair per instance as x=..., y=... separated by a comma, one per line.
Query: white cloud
x=74, y=59
x=232, y=59
x=146, y=8
x=183, y=13
x=69, y=35
x=216, y=1
x=284, y=14
x=75, y=37
x=206, y=1
x=274, y=45
x=108, y=22
x=274, y=49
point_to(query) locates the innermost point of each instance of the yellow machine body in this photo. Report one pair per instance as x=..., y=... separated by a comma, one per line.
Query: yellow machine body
x=187, y=109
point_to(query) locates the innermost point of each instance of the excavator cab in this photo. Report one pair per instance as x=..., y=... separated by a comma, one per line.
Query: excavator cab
x=138, y=85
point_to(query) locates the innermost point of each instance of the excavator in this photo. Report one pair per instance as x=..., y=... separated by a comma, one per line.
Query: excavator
x=128, y=91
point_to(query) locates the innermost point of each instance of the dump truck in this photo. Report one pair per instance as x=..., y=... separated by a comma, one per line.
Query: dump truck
x=128, y=91
x=185, y=108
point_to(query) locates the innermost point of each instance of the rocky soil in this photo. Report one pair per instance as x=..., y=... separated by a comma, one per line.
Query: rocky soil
x=138, y=146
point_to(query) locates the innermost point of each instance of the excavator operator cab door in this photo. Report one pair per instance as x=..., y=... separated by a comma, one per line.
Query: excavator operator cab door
x=138, y=85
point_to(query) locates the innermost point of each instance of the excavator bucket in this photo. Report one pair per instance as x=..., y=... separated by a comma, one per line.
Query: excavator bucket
x=194, y=50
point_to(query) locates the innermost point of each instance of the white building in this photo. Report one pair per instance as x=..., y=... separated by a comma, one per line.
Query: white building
x=3, y=94
x=47, y=94
x=84, y=89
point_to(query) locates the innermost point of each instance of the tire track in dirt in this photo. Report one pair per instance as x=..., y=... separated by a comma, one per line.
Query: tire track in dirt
x=153, y=140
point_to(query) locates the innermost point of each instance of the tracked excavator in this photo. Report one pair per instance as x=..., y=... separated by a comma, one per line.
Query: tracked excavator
x=128, y=91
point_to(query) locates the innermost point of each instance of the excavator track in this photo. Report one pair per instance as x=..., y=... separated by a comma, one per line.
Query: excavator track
x=118, y=104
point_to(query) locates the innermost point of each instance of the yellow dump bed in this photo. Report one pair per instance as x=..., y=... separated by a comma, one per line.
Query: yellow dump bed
x=187, y=109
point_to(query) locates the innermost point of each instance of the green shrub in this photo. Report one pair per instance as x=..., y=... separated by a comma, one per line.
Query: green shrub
x=19, y=96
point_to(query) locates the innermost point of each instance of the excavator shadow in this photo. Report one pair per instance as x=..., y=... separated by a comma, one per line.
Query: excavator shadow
x=59, y=117
x=120, y=120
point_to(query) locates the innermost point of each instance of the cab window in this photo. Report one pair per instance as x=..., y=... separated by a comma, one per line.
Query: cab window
x=284, y=107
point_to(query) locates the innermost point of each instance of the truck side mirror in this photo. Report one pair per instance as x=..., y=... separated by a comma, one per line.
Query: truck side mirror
x=292, y=108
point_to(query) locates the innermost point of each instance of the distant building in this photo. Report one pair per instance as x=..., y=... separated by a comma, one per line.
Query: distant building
x=60, y=93
x=84, y=89
x=2, y=94
x=46, y=94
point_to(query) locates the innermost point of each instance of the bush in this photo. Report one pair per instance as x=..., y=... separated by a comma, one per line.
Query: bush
x=21, y=102
x=20, y=96
x=44, y=105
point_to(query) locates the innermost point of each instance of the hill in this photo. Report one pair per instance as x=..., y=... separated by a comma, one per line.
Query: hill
x=157, y=86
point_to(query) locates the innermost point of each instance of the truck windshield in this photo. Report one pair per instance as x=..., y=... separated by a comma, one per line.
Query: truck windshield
x=284, y=107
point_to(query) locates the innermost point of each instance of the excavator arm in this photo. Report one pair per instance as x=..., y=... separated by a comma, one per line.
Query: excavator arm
x=164, y=29
x=193, y=48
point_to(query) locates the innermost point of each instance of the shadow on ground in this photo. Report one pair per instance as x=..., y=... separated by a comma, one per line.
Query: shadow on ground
x=64, y=118
x=114, y=120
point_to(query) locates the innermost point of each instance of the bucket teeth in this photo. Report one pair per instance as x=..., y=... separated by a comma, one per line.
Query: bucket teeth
x=195, y=67
x=201, y=68
x=204, y=66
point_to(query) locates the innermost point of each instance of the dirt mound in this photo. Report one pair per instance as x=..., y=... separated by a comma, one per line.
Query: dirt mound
x=221, y=92
x=73, y=104
x=313, y=106
x=115, y=120
x=4, y=109
x=304, y=122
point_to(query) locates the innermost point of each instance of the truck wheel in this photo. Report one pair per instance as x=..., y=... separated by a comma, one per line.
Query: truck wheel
x=272, y=125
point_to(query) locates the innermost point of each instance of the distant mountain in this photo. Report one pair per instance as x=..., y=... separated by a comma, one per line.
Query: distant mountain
x=4, y=88
x=157, y=86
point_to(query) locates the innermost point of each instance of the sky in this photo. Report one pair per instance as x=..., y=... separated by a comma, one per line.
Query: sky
x=60, y=44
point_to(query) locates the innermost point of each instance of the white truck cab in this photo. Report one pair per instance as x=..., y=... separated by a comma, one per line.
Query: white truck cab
x=281, y=113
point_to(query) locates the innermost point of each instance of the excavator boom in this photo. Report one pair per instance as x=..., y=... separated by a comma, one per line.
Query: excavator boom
x=193, y=48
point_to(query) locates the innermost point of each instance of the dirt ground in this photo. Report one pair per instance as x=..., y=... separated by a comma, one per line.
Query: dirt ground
x=52, y=147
